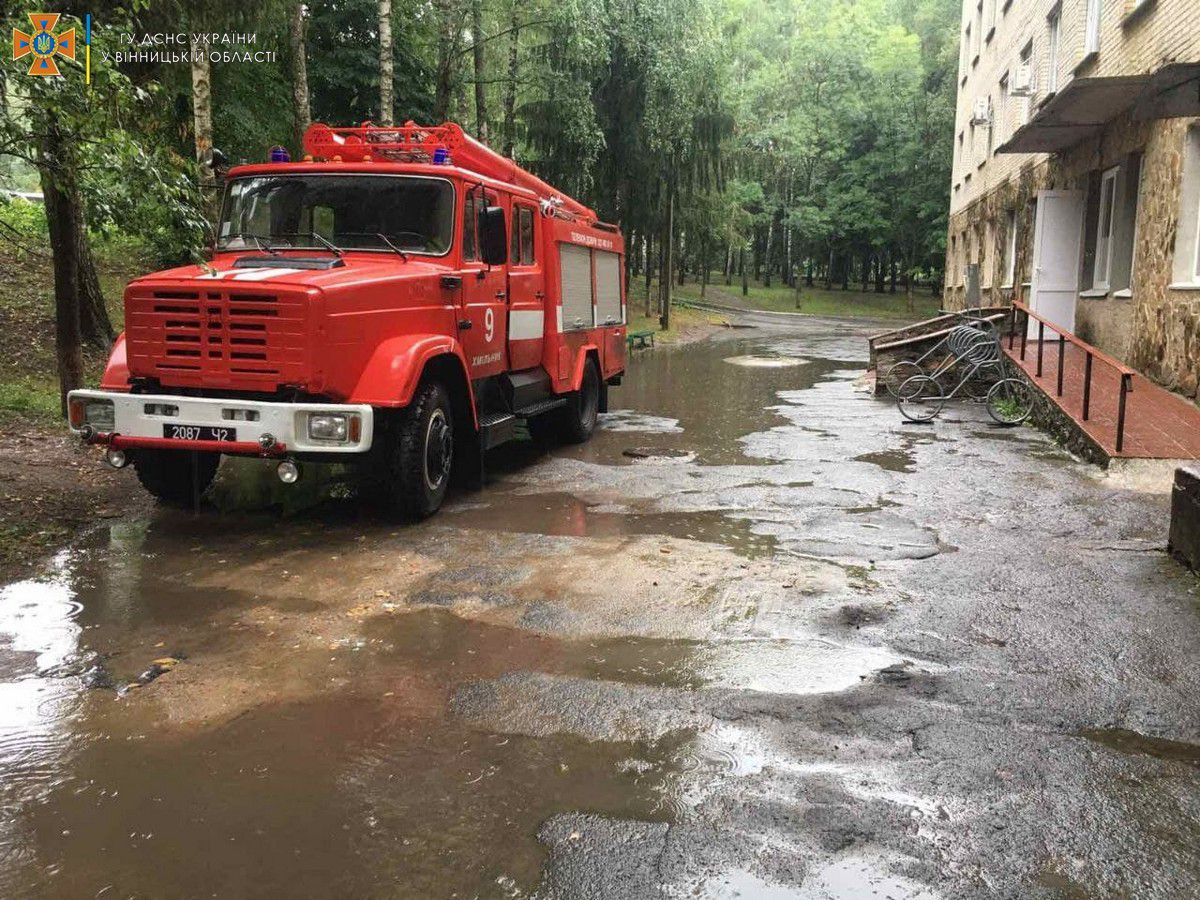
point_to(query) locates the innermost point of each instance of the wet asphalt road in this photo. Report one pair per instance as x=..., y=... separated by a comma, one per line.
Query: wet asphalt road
x=758, y=639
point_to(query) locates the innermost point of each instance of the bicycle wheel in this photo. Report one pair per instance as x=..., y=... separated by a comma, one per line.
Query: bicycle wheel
x=899, y=373
x=1010, y=401
x=920, y=398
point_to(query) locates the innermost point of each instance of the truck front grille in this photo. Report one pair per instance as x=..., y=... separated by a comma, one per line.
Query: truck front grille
x=228, y=338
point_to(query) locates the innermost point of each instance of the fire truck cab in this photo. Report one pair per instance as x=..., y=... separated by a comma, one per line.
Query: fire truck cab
x=402, y=298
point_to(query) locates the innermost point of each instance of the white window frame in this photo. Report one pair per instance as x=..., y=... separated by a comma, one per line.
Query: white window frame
x=1196, y=260
x=1102, y=269
x=1026, y=59
x=1091, y=35
x=1054, y=23
x=1010, y=253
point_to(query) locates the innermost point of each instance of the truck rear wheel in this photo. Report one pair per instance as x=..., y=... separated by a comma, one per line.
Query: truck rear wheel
x=418, y=453
x=573, y=423
x=169, y=474
x=583, y=407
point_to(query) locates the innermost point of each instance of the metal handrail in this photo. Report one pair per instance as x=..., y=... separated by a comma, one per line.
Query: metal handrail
x=1090, y=352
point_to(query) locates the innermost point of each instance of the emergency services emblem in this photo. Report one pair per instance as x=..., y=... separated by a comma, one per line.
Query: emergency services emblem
x=44, y=44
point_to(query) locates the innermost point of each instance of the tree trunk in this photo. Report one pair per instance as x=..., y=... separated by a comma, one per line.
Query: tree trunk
x=300, y=103
x=386, y=69
x=829, y=272
x=808, y=273
x=767, y=253
x=477, y=45
x=729, y=265
x=64, y=220
x=879, y=273
x=202, y=123
x=866, y=271
x=745, y=275
x=668, y=251
x=892, y=264
x=94, y=323
x=510, y=89
x=650, y=269
x=704, y=279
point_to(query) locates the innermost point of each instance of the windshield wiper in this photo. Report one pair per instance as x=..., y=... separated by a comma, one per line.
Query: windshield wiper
x=258, y=241
x=329, y=245
x=383, y=237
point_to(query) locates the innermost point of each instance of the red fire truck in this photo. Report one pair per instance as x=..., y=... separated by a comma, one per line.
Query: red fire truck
x=402, y=297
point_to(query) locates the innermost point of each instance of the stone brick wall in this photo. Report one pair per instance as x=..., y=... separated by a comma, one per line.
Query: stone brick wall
x=1157, y=330
x=1135, y=38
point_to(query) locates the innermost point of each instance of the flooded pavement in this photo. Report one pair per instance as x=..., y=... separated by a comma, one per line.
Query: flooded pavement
x=759, y=638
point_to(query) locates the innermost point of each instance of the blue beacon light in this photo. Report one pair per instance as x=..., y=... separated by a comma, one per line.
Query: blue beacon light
x=280, y=155
x=441, y=157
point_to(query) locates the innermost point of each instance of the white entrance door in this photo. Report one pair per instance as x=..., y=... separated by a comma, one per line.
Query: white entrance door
x=1057, y=242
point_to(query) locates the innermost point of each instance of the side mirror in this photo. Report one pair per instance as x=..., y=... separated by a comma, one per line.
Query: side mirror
x=493, y=236
x=220, y=164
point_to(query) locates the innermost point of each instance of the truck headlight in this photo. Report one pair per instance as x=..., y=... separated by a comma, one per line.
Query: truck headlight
x=328, y=427
x=100, y=414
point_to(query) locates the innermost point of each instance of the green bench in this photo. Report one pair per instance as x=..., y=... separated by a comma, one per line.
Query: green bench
x=640, y=339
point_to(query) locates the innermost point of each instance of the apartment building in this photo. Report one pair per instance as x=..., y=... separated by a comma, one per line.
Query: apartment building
x=1076, y=176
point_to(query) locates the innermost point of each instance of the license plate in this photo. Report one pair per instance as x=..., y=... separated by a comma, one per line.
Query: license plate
x=199, y=433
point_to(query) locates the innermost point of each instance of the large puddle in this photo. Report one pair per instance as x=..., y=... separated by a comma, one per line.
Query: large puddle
x=315, y=738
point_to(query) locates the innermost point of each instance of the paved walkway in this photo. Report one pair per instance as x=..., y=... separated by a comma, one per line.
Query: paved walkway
x=1158, y=424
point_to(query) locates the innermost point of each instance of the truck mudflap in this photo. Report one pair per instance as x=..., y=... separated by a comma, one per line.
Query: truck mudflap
x=236, y=427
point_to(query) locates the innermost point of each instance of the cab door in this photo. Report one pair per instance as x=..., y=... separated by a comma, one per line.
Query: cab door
x=483, y=320
x=526, y=289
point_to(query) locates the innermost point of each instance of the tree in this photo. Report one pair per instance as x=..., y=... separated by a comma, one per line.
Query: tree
x=386, y=103
x=296, y=28
x=91, y=162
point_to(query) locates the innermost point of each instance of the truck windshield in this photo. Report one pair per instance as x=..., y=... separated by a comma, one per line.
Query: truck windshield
x=353, y=212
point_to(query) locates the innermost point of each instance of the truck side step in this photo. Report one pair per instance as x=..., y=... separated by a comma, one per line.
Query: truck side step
x=496, y=428
x=542, y=406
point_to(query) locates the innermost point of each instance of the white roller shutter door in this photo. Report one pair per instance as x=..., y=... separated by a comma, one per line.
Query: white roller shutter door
x=608, y=288
x=575, y=264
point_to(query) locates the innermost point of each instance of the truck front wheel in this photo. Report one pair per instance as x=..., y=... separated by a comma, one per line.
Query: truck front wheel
x=175, y=477
x=418, y=452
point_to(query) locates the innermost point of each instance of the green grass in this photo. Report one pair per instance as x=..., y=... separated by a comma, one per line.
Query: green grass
x=32, y=396
x=682, y=320
x=817, y=301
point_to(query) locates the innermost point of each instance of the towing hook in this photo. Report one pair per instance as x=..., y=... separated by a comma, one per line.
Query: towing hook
x=267, y=442
x=87, y=433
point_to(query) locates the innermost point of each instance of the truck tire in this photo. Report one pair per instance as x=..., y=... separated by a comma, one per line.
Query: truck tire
x=418, y=453
x=167, y=474
x=583, y=407
x=575, y=422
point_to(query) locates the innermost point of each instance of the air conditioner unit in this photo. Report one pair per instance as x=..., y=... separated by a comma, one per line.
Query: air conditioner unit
x=1020, y=84
x=982, y=113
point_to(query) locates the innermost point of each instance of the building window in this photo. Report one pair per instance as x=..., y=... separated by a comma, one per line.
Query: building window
x=1104, y=230
x=1187, y=235
x=1055, y=25
x=1010, y=250
x=1002, y=109
x=1109, y=240
x=1091, y=37
x=978, y=31
x=1026, y=61
x=991, y=127
x=966, y=51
